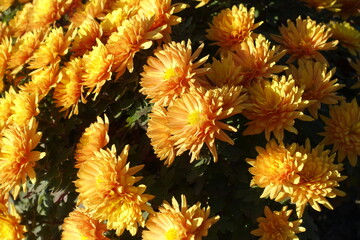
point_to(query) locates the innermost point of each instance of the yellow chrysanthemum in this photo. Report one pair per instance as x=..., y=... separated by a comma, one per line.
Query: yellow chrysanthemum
x=106, y=188
x=194, y=118
x=274, y=107
x=331, y=5
x=172, y=72
x=56, y=44
x=231, y=26
x=5, y=4
x=79, y=225
x=224, y=72
x=68, y=91
x=342, y=130
x=97, y=64
x=159, y=134
x=179, y=222
x=93, y=139
x=132, y=36
x=42, y=81
x=5, y=53
x=317, y=83
x=85, y=39
x=24, y=108
x=257, y=59
x=305, y=39
x=162, y=12
x=4, y=31
x=276, y=225
x=318, y=179
x=23, y=49
x=44, y=13
x=93, y=9
x=114, y=19
x=276, y=168
x=19, y=23
x=10, y=228
x=17, y=158
x=6, y=104
x=347, y=35
x=349, y=8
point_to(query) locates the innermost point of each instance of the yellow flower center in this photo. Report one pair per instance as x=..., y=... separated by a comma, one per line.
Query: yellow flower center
x=195, y=118
x=172, y=234
x=7, y=230
x=169, y=74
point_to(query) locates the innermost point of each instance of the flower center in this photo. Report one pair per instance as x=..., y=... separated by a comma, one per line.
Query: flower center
x=172, y=234
x=195, y=118
x=169, y=74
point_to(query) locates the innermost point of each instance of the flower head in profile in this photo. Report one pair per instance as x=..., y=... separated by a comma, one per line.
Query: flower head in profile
x=318, y=179
x=19, y=24
x=5, y=54
x=257, y=59
x=194, y=118
x=274, y=107
x=276, y=225
x=17, y=158
x=342, y=129
x=93, y=9
x=347, y=35
x=92, y=140
x=317, y=83
x=231, y=26
x=276, y=168
x=10, y=225
x=331, y=5
x=115, y=18
x=179, y=222
x=106, y=188
x=171, y=72
x=4, y=31
x=79, y=225
x=68, y=91
x=304, y=39
x=24, y=108
x=6, y=103
x=44, y=13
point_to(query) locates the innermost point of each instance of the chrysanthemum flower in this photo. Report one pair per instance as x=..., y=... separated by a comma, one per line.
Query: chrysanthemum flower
x=106, y=188
x=331, y=5
x=132, y=36
x=231, y=26
x=24, y=48
x=318, y=179
x=68, y=91
x=114, y=19
x=224, y=72
x=343, y=131
x=179, y=222
x=257, y=59
x=5, y=4
x=42, y=81
x=4, y=31
x=276, y=225
x=10, y=227
x=6, y=103
x=56, y=44
x=93, y=9
x=171, y=72
x=79, y=225
x=97, y=64
x=44, y=12
x=163, y=13
x=274, y=107
x=85, y=39
x=305, y=39
x=92, y=140
x=317, y=83
x=24, y=108
x=5, y=53
x=159, y=134
x=194, y=118
x=349, y=8
x=276, y=168
x=17, y=158
x=19, y=23
x=347, y=35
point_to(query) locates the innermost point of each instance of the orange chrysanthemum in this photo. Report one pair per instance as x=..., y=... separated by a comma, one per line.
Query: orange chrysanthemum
x=6, y=103
x=276, y=168
x=115, y=18
x=276, y=225
x=318, y=179
x=194, y=118
x=317, y=83
x=331, y=5
x=224, y=72
x=257, y=59
x=162, y=12
x=85, y=39
x=5, y=53
x=202, y=3
x=106, y=188
x=231, y=26
x=24, y=108
x=19, y=23
x=347, y=35
x=132, y=36
x=17, y=158
x=342, y=130
x=305, y=39
x=79, y=225
x=172, y=72
x=179, y=222
x=93, y=139
x=356, y=66
x=68, y=91
x=4, y=31
x=44, y=13
x=274, y=106
x=93, y=9
x=10, y=228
